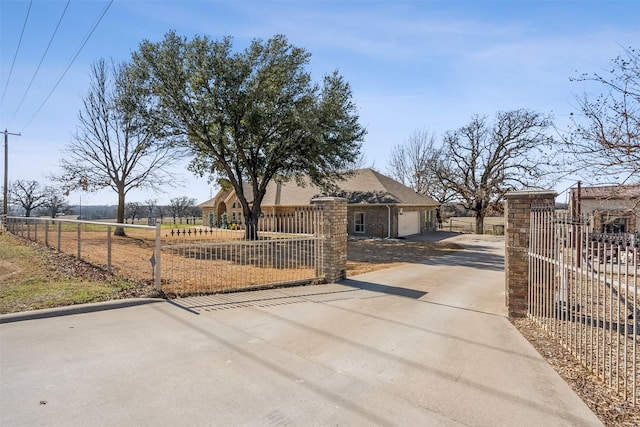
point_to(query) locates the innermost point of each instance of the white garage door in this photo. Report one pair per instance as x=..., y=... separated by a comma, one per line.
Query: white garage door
x=408, y=223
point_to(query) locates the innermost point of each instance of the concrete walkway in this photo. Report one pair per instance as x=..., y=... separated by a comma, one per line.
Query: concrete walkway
x=425, y=344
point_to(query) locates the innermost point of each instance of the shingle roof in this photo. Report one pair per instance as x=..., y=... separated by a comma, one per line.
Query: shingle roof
x=363, y=186
x=609, y=192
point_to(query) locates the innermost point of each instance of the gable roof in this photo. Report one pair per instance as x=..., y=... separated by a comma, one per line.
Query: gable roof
x=363, y=186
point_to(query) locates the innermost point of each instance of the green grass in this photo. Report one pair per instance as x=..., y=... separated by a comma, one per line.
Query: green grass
x=31, y=278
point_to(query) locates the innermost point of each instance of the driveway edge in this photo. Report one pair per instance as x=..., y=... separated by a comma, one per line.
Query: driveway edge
x=75, y=309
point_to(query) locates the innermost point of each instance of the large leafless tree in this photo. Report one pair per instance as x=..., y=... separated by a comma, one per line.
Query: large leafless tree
x=55, y=202
x=180, y=207
x=29, y=195
x=416, y=164
x=116, y=145
x=482, y=161
x=605, y=139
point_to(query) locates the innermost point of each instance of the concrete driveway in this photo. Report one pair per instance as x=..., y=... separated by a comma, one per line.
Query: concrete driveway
x=424, y=344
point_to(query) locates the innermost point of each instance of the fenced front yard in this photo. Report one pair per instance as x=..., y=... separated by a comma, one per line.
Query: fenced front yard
x=191, y=260
x=462, y=224
x=583, y=290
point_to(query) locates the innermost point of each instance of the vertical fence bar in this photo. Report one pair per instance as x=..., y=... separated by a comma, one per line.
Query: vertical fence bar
x=626, y=325
x=109, y=248
x=79, y=232
x=158, y=253
x=591, y=306
x=618, y=314
x=636, y=260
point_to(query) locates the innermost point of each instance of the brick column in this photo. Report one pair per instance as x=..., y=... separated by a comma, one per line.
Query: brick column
x=334, y=257
x=517, y=233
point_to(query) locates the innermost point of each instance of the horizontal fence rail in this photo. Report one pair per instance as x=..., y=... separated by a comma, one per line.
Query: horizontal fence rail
x=583, y=290
x=131, y=255
x=284, y=248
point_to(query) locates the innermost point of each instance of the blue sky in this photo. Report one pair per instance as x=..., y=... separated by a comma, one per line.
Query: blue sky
x=411, y=64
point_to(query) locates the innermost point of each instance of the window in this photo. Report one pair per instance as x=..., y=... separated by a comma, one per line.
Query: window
x=614, y=225
x=428, y=218
x=358, y=222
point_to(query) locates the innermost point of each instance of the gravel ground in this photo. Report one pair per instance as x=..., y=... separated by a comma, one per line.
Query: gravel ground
x=604, y=402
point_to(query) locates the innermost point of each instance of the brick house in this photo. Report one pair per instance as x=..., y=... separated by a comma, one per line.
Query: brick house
x=612, y=209
x=378, y=206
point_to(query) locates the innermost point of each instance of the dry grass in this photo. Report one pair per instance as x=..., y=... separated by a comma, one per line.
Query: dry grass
x=33, y=277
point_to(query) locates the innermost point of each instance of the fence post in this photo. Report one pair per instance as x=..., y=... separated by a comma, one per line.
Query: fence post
x=158, y=253
x=517, y=236
x=334, y=254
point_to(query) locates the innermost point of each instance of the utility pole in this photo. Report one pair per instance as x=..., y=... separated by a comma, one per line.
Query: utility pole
x=5, y=210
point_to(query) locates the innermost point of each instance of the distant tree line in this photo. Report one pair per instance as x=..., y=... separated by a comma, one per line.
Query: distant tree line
x=32, y=198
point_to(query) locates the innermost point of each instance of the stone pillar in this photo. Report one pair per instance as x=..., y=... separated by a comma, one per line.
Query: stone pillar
x=517, y=233
x=334, y=256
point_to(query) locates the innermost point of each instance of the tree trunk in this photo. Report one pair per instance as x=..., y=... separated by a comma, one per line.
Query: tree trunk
x=120, y=215
x=479, y=223
x=251, y=227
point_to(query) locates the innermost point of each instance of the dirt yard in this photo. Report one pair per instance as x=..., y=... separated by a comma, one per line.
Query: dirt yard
x=199, y=270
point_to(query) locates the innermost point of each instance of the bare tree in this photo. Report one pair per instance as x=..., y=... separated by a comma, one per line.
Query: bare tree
x=484, y=161
x=361, y=162
x=29, y=195
x=151, y=207
x=179, y=207
x=194, y=211
x=605, y=138
x=115, y=145
x=54, y=202
x=416, y=164
x=133, y=210
x=160, y=211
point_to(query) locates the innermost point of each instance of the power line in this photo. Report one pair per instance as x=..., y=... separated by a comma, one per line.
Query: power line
x=104, y=11
x=16, y=54
x=40, y=63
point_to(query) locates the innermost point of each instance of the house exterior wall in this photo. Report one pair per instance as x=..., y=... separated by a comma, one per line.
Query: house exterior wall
x=375, y=220
x=376, y=217
x=232, y=207
x=607, y=211
x=205, y=215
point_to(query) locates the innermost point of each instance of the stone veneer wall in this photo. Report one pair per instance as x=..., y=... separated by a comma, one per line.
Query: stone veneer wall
x=600, y=217
x=517, y=234
x=335, y=237
x=376, y=219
